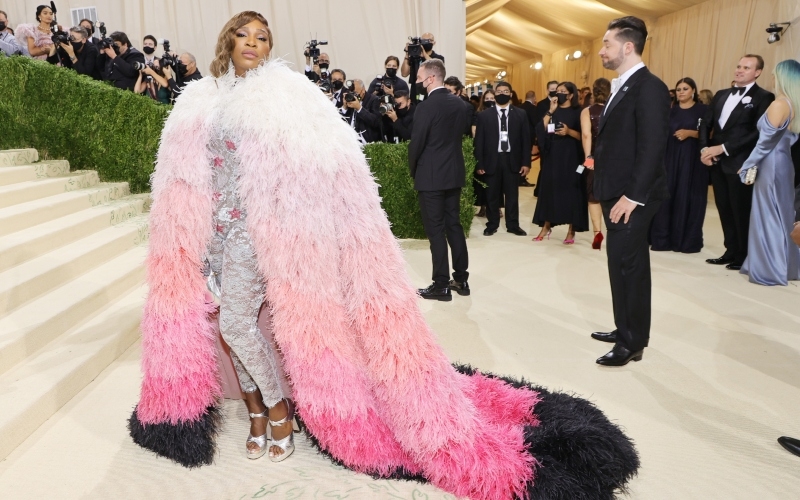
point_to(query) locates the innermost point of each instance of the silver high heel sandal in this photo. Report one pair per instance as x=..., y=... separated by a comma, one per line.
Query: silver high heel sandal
x=287, y=443
x=260, y=441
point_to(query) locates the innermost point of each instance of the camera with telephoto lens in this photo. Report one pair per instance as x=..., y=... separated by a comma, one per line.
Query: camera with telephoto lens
x=58, y=36
x=349, y=93
x=325, y=86
x=312, y=49
x=387, y=104
x=171, y=60
x=105, y=42
x=415, y=47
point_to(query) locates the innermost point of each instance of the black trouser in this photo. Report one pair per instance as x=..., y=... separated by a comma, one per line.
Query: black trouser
x=629, y=272
x=503, y=182
x=733, y=200
x=441, y=212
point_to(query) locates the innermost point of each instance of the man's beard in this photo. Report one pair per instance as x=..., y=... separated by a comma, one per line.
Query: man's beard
x=613, y=64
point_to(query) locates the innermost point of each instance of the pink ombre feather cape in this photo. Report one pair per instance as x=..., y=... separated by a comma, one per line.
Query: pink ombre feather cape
x=370, y=381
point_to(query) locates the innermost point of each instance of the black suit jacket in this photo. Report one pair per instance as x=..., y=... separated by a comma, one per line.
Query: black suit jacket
x=86, y=63
x=435, y=157
x=740, y=134
x=487, y=138
x=120, y=70
x=532, y=113
x=632, y=140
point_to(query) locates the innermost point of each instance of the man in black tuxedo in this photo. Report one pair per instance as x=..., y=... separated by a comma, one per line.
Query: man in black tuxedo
x=436, y=161
x=503, y=151
x=732, y=117
x=455, y=87
x=630, y=182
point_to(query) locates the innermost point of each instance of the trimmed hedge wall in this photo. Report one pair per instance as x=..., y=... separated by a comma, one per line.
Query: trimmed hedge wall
x=98, y=127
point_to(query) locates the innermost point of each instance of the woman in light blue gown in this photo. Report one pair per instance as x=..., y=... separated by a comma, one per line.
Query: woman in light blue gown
x=772, y=257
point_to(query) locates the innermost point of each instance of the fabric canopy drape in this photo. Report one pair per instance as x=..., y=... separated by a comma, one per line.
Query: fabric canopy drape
x=361, y=33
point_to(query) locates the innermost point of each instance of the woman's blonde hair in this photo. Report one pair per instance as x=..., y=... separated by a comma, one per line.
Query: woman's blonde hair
x=226, y=41
x=787, y=82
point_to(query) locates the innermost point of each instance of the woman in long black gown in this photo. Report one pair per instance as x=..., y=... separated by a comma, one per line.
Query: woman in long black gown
x=678, y=225
x=562, y=199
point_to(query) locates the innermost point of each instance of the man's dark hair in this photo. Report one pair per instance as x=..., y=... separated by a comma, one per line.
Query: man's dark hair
x=151, y=37
x=551, y=82
x=572, y=89
x=337, y=70
x=435, y=67
x=90, y=24
x=392, y=58
x=760, y=64
x=474, y=97
x=503, y=84
x=453, y=81
x=119, y=36
x=630, y=29
x=400, y=93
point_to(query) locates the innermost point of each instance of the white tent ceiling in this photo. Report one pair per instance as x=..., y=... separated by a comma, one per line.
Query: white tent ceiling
x=504, y=32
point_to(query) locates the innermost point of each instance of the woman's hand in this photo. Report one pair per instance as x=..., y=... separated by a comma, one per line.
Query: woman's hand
x=564, y=130
x=553, y=104
x=684, y=134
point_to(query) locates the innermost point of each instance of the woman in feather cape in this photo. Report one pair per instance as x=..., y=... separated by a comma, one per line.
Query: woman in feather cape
x=373, y=388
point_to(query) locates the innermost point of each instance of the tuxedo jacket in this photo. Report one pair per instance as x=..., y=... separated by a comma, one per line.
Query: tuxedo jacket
x=487, y=139
x=631, y=142
x=740, y=134
x=435, y=157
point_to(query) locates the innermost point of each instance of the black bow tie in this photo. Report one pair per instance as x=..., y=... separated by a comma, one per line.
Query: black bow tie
x=738, y=90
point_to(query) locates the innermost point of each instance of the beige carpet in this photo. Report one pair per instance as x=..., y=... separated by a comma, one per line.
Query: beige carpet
x=719, y=383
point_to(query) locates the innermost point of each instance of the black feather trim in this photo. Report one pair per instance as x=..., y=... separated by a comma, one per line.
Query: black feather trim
x=190, y=444
x=582, y=455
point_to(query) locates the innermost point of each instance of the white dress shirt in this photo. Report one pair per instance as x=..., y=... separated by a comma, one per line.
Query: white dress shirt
x=500, y=109
x=618, y=84
x=731, y=102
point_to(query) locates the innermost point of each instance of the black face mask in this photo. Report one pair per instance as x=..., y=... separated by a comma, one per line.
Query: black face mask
x=489, y=104
x=2, y=26
x=420, y=89
x=427, y=47
x=502, y=99
x=391, y=72
x=552, y=93
x=323, y=66
x=562, y=98
x=401, y=112
x=337, y=85
x=148, y=50
x=76, y=45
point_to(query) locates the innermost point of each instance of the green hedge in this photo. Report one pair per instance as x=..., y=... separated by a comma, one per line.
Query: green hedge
x=98, y=127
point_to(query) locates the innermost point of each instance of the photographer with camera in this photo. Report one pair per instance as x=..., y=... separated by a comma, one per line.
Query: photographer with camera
x=337, y=77
x=79, y=54
x=389, y=83
x=153, y=83
x=317, y=63
x=400, y=117
x=360, y=110
x=184, y=70
x=417, y=51
x=121, y=62
x=9, y=45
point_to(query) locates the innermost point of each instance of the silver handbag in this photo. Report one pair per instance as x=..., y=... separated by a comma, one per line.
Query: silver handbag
x=212, y=283
x=750, y=176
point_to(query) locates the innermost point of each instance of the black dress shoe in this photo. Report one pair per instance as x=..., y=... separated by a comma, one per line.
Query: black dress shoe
x=489, y=232
x=620, y=356
x=791, y=445
x=605, y=337
x=460, y=287
x=733, y=267
x=518, y=231
x=434, y=292
x=720, y=261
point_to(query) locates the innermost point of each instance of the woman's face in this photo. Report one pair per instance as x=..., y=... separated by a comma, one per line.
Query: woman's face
x=684, y=92
x=46, y=15
x=563, y=90
x=251, y=47
x=488, y=98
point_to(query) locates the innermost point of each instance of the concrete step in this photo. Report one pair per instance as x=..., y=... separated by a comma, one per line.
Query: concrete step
x=21, y=192
x=24, y=245
x=35, y=389
x=38, y=276
x=43, y=320
x=41, y=170
x=31, y=213
x=14, y=157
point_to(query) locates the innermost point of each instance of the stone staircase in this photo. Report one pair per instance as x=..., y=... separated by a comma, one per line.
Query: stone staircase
x=72, y=286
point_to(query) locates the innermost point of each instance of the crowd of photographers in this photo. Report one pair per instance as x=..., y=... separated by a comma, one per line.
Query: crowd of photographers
x=383, y=110
x=111, y=58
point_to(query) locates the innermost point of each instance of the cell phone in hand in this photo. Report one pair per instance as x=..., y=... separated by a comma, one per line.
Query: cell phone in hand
x=559, y=126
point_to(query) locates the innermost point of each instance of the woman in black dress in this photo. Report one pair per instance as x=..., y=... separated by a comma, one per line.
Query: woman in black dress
x=590, y=127
x=478, y=181
x=562, y=198
x=678, y=225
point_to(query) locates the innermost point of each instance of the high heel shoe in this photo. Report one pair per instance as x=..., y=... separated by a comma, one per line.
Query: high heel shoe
x=540, y=238
x=598, y=240
x=260, y=441
x=286, y=444
x=569, y=241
